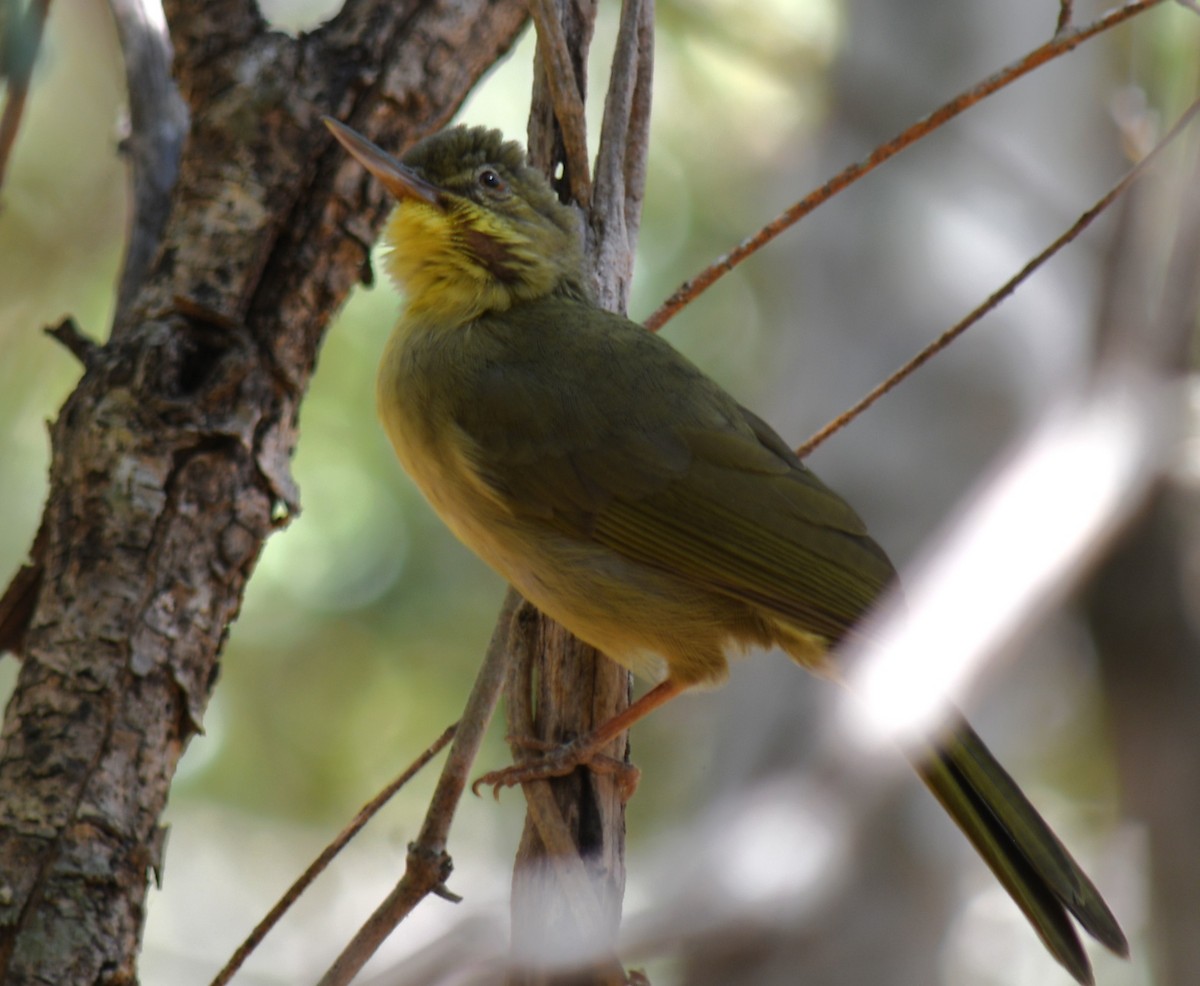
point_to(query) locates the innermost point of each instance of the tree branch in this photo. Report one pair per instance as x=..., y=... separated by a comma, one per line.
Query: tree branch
x=566, y=94
x=1061, y=44
x=1006, y=289
x=328, y=854
x=429, y=863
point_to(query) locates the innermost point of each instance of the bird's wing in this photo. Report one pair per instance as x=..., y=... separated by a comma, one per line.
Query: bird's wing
x=781, y=541
x=630, y=446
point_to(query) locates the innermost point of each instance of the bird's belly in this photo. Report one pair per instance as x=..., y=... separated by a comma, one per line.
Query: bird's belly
x=648, y=620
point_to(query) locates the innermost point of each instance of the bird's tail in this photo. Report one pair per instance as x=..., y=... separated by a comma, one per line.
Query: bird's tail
x=1024, y=854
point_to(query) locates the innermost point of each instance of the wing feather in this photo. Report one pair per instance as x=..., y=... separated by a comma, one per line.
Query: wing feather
x=632, y=447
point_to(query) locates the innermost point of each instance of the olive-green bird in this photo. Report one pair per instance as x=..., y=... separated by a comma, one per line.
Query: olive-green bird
x=628, y=496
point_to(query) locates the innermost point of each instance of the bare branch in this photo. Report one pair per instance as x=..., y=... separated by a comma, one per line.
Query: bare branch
x=1066, y=9
x=561, y=874
x=577, y=686
x=565, y=93
x=1141, y=616
x=428, y=862
x=624, y=145
x=547, y=817
x=328, y=854
x=1003, y=291
x=1060, y=45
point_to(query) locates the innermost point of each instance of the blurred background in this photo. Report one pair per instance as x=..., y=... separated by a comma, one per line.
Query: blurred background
x=365, y=621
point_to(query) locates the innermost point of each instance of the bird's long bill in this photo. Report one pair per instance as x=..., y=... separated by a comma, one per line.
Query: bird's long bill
x=402, y=182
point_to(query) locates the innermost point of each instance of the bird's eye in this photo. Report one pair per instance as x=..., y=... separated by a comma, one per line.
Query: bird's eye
x=490, y=179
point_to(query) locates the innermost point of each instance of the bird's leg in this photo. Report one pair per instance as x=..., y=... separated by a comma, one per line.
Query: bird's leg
x=585, y=749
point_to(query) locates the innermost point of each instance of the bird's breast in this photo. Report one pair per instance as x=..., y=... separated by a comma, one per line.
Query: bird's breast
x=425, y=378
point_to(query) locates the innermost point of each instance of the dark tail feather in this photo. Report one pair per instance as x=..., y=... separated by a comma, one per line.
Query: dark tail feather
x=1019, y=847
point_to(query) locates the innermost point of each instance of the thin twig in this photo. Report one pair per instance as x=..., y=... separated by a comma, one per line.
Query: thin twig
x=1066, y=10
x=318, y=865
x=80, y=346
x=1060, y=45
x=1003, y=292
x=564, y=92
x=428, y=862
x=25, y=37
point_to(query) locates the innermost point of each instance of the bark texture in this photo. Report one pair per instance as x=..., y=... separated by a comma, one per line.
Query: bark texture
x=171, y=460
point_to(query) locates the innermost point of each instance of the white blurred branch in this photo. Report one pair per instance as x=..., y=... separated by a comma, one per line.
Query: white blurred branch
x=1044, y=517
x=1020, y=544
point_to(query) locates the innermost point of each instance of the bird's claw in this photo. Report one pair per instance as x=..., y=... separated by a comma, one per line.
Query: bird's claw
x=558, y=761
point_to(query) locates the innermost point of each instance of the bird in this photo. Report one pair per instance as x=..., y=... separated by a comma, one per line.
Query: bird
x=628, y=496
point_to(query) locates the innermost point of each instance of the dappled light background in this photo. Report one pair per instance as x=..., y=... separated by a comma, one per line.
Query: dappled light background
x=365, y=621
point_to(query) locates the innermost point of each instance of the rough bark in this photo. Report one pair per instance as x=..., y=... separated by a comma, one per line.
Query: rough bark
x=170, y=461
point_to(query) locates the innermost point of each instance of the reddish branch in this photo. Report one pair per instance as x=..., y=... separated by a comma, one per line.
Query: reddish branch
x=1062, y=43
x=1004, y=290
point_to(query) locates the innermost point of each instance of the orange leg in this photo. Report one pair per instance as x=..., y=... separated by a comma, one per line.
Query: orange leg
x=584, y=749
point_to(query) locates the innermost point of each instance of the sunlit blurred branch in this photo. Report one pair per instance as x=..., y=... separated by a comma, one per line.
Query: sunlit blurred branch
x=1002, y=292
x=1024, y=539
x=1142, y=621
x=1042, y=519
x=764, y=862
x=1062, y=43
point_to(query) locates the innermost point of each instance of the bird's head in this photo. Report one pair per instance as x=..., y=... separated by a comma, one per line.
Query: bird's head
x=476, y=228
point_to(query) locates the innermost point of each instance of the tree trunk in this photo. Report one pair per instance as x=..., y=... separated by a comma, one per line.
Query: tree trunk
x=170, y=461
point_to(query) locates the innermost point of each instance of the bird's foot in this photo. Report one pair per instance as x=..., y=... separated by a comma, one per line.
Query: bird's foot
x=558, y=761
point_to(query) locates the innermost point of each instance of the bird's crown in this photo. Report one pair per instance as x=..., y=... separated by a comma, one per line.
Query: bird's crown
x=490, y=233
